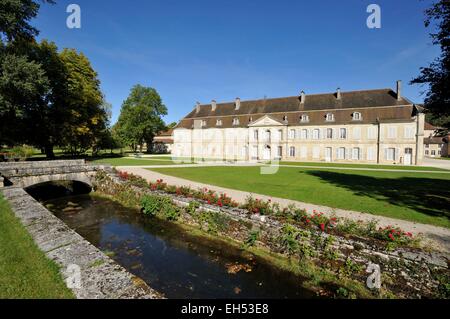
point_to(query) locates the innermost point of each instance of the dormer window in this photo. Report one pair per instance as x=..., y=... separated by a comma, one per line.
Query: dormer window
x=357, y=116
x=203, y=123
x=329, y=117
x=250, y=119
x=304, y=118
x=235, y=121
x=219, y=122
x=285, y=118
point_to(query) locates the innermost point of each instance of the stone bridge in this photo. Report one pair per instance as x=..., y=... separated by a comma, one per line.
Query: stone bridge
x=25, y=174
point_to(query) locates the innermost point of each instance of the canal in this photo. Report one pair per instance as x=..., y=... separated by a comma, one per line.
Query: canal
x=171, y=259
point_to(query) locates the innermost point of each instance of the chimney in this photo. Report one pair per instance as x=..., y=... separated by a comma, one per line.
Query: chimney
x=399, y=90
x=197, y=107
x=213, y=105
x=238, y=103
x=338, y=93
x=302, y=97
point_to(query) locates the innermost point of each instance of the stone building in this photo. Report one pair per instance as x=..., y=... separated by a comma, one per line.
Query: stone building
x=163, y=142
x=435, y=143
x=370, y=126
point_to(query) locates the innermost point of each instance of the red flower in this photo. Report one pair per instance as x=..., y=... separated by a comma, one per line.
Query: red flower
x=391, y=237
x=322, y=226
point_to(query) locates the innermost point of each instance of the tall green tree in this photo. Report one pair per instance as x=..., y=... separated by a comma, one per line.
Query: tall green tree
x=140, y=117
x=437, y=74
x=84, y=104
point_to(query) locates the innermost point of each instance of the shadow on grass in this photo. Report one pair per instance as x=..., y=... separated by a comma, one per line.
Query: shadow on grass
x=430, y=196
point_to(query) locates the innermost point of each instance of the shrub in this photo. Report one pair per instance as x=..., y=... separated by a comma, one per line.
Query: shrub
x=253, y=236
x=21, y=152
x=159, y=205
x=288, y=239
x=257, y=206
x=150, y=205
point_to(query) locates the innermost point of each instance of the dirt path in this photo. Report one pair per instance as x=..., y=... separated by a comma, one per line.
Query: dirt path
x=438, y=237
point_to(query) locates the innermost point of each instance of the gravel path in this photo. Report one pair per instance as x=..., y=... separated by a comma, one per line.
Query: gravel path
x=438, y=237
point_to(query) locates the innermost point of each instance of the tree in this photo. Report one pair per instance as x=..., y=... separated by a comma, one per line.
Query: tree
x=14, y=19
x=140, y=117
x=87, y=116
x=172, y=125
x=437, y=74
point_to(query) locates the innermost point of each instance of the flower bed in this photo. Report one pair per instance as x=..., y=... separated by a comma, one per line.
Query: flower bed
x=316, y=220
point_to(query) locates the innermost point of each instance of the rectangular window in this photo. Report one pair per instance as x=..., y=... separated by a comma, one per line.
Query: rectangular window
x=356, y=133
x=316, y=152
x=371, y=133
x=392, y=132
x=292, y=151
x=427, y=145
x=356, y=153
x=280, y=135
x=433, y=152
x=409, y=132
x=316, y=134
x=304, y=134
x=343, y=133
x=390, y=154
x=329, y=133
x=340, y=153
x=371, y=154
x=291, y=134
x=304, y=152
x=427, y=152
x=280, y=151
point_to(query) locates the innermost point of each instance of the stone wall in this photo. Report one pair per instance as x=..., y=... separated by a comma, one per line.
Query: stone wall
x=408, y=272
x=101, y=277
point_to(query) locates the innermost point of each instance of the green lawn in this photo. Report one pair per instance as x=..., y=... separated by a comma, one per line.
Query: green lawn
x=25, y=272
x=396, y=167
x=122, y=161
x=414, y=196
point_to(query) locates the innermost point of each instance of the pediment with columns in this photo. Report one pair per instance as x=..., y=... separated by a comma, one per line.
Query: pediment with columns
x=266, y=120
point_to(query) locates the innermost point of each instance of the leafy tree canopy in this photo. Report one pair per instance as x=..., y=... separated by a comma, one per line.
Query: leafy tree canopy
x=437, y=75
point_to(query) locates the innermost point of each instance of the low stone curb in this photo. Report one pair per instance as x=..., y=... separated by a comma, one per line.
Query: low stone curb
x=101, y=277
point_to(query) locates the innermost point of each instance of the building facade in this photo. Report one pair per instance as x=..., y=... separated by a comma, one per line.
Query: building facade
x=435, y=143
x=372, y=126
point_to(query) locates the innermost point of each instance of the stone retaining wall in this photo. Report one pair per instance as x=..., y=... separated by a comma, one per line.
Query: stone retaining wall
x=101, y=277
x=409, y=272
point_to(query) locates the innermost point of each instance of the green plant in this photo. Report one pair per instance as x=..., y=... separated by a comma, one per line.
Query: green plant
x=192, y=207
x=22, y=152
x=150, y=205
x=288, y=239
x=253, y=236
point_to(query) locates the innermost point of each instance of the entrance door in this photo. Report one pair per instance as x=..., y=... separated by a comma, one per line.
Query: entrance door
x=408, y=156
x=266, y=153
x=328, y=153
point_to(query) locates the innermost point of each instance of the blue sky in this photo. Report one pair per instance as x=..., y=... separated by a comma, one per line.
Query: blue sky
x=202, y=50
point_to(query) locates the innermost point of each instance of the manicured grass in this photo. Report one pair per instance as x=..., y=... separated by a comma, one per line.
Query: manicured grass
x=122, y=161
x=371, y=166
x=25, y=272
x=414, y=196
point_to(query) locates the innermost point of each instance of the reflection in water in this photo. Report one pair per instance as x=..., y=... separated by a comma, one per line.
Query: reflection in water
x=171, y=260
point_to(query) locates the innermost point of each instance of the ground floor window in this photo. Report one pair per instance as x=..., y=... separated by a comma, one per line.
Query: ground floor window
x=292, y=151
x=390, y=154
x=427, y=152
x=280, y=151
x=433, y=152
x=304, y=152
x=340, y=153
x=371, y=153
x=356, y=153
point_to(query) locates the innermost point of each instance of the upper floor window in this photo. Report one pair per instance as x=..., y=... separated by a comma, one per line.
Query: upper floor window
x=357, y=116
x=343, y=133
x=235, y=121
x=304, y=134
x=255, y=134
x=291, y=134
x=392, y=132
x=316, y=134
x=304, y=118
x=219, y=122
x=329, y=117
x=280, y=135
x=329, y=133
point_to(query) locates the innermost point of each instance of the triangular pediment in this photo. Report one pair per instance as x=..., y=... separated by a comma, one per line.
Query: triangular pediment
x=266, y=120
